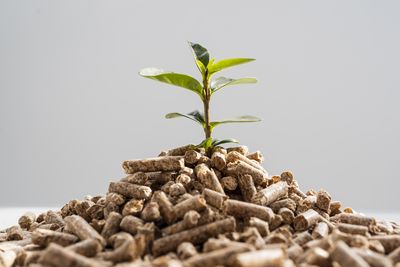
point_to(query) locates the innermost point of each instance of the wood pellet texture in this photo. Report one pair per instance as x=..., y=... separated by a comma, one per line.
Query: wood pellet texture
x=185, y=208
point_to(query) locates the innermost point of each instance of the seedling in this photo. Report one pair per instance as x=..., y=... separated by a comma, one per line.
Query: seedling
x=204, y=89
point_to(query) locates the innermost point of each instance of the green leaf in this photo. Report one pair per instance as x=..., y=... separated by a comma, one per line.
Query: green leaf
x=201, y=55
x=206, y=143
x=196, y=116
x=217, y=142
x=227, y=63
x=220, y=82
x=241, y=119
x=211, y=62
x=200, y=66
x=178, y=79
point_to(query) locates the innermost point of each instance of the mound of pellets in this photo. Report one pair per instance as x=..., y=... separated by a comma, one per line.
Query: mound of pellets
x=183, y=208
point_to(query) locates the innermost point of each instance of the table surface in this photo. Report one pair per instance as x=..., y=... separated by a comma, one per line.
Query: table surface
x=9, y=215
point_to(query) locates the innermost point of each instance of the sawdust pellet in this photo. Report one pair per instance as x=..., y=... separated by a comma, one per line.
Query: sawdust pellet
x=196, y=203
x=229, y=183
x=192, y=156
x=208, y=178
x=26, y=220
x=389, y=242
x=44, y=237
x=244, y=150
x=58, y=256
x=177, y=189
x=190, y=220
x=373, y=258
x=353, y=229
x=115, y=198
x=321, y=230
x=247, y=187
x=151, y=212
x=133, y=207
x=217, y=257
x=262, y=226
x=306, y=220
x=287, y=215
x=257, y=156
x=131, y=224
x=167, y=163
x=283, y=203
x=214, y=198
x=394, y=256
x=130, y=190
x=14, y=233
x=139, y=178
x=165, y=206
x=345, y=256
x=186, y=250
x=241, y=168
x=112, y=225
x=288, y=177
x=261, y=258
x=184, y=179
x=52, y=217
x=272, y=193
x=96, y=211
x=195, y=235
x=88, y=247
x=242, y=209
x=218, y=161
x=323, y=200
x=356, y=219
x=78, y=226
x=315, y=257
x=180, y=151
x=235, y=156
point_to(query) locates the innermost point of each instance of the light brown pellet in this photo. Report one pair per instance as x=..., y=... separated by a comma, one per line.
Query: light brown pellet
x=167, y=163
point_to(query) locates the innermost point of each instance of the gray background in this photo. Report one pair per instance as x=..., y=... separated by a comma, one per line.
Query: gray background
x=72, y=106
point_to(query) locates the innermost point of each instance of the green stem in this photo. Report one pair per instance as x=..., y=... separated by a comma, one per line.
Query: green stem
x=206, y=102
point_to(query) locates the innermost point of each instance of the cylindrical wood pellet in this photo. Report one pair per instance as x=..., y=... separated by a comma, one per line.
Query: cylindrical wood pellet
x=168, y=163
x=247, y=187
x=196, y=235
x=130, y=190
x=306, y=219
x=261, y=258
x=242, y=209
x=82, y=229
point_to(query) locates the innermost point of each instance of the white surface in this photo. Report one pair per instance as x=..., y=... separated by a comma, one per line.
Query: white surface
x=9, y=216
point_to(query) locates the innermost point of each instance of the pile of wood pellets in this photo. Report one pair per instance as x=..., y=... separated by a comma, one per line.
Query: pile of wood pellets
x=184, y=208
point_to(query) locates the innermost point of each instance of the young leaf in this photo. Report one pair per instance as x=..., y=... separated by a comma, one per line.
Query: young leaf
x=200, y=66
x=211, y=62
x=194, y=116
x=198, y=116
x=178, y=79
x=206, y=143
x=227, y=63
x=201, y=55
x=220, y=82
x=246, y=118
x=217, y=142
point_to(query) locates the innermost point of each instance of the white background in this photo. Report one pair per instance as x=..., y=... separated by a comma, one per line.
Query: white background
x=72, y=106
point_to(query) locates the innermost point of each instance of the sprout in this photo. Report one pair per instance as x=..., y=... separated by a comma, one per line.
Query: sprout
x=204, y=89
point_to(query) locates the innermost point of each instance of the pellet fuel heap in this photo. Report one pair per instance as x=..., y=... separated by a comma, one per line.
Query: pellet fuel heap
x=183, y=208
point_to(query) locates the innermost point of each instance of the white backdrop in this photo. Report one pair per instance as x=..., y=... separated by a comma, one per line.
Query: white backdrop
x=72, y=106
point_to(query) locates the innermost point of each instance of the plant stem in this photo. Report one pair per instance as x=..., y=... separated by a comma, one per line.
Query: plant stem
x=207, y=128
x=206, y=102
